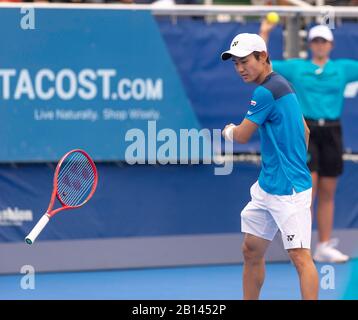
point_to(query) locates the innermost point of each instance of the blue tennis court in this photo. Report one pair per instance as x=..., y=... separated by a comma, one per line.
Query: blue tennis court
x=201, y=282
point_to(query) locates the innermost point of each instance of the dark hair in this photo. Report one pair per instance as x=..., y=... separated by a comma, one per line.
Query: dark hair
x=257, y=57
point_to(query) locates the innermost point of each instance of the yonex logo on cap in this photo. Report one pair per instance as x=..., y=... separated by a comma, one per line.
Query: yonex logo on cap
x=253, y=103
x=243, y=45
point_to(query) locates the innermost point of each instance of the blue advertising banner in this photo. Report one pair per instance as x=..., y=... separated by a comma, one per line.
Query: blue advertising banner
x=346, y=47
x=144, y=201
x=82, y=79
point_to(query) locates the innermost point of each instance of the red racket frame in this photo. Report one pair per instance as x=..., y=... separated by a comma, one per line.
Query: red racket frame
x=55, y=194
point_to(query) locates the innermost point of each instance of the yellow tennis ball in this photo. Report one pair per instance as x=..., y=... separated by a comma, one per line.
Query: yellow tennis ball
x=273, y=17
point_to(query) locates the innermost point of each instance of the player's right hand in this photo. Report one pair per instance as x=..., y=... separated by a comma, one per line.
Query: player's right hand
x=266, y=27
x=227, y=133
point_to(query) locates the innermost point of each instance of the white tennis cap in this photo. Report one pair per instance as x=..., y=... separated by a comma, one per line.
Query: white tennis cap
x=244, y=44
x=320, y=31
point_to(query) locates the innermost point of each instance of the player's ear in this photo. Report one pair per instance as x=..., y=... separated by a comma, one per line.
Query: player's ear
x=263, y=56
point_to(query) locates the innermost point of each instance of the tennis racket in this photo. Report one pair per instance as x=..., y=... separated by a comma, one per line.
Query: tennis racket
x=74, y=183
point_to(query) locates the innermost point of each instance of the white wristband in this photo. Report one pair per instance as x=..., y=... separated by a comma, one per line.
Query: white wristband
x=229, y=133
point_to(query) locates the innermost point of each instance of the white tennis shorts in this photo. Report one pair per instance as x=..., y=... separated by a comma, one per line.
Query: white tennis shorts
x=266, y=213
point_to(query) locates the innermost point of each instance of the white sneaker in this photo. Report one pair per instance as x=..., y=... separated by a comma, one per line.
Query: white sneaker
x=326, y=252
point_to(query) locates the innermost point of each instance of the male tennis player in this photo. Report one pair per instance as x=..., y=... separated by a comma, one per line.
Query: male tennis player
x=319, y=83
x=281, y=198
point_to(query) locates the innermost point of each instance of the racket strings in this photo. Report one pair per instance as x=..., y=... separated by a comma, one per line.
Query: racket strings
x=76, y=188
x=73, y=185
x=67, y=185
x=79, y=198
x=70, y=167
x=77, y=156
x=74, y=195
x=75, y=180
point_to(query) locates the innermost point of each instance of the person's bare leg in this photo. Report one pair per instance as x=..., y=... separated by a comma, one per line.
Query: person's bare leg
x=307, y=272
x=325, y=210
x=253, y=249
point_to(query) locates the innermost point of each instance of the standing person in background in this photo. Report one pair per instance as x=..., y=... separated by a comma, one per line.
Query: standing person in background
x=319, y=84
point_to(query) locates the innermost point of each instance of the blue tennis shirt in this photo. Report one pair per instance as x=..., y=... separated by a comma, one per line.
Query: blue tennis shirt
x=275, y=108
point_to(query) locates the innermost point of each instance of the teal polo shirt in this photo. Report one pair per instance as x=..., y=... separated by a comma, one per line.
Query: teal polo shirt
x=320, y=91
